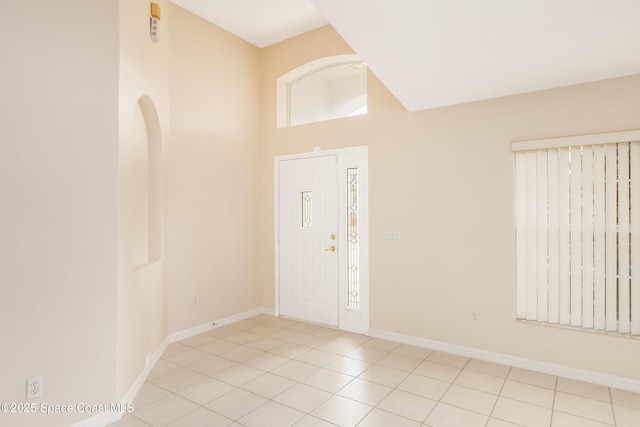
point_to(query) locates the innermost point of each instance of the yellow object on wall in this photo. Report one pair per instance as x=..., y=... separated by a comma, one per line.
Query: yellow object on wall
x=154, y=23
x=155, y=10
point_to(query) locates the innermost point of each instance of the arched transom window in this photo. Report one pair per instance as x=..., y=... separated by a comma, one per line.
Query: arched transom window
x=324, y=89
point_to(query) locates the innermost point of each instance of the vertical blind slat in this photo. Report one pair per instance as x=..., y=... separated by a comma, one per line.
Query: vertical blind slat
x=623, y=238
x=532, y=250
x=599, y=237
x=521, y=235
x=541, y=255
x=553, y=236
x=611, y=243
x=635, y=238
x=576, y=236
x=564, y=259
x=587, y=237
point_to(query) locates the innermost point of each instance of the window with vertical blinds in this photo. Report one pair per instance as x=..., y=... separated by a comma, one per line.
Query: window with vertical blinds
x=577, y=199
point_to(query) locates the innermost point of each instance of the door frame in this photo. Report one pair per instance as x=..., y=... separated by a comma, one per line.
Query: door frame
x=356, y=321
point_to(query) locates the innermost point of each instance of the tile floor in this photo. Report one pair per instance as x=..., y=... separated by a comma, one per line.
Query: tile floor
x=267, y=371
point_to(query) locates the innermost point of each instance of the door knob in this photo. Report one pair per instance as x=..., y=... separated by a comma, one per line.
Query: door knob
x=332, y=249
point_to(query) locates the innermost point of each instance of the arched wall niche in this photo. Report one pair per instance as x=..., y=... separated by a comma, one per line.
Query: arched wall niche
x=146, y=207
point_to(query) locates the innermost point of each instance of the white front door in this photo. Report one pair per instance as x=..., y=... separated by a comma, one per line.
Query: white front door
x=322, y=238
x=308, y=225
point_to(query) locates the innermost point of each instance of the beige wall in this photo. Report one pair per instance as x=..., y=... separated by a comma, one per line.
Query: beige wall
x=211, y=173
x=142, y=315
x=74, y=311
x=58, y=203
x=444, y=179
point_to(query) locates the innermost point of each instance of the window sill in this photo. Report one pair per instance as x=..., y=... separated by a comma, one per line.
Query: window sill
x=579, y=329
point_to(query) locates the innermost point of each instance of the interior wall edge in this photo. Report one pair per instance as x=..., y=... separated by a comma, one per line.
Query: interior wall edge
x=107, y=418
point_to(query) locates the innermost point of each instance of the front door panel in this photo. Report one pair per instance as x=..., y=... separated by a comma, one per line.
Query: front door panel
x=308, y=223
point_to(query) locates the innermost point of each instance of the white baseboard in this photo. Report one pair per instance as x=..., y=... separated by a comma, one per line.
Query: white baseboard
x=101, y=420
x=139, y=382
x=107, y=418
x=197, y=330
x=622, y=383
x=518, y=362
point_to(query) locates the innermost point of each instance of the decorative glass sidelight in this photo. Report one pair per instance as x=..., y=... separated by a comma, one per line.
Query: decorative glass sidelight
x=307, y=209
x=353, y=239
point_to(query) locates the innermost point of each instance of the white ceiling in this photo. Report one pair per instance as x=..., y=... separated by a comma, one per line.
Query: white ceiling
x=432, y=53
x=260, y=22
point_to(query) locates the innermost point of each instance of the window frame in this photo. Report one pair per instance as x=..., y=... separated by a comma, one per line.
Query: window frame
x=525, y=311
x=284, y=82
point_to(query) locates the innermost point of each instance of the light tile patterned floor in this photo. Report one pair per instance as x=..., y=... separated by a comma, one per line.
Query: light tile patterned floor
x=267, y=371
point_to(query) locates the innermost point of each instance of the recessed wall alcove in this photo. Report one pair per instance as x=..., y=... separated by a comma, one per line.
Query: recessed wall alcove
x=146, y=206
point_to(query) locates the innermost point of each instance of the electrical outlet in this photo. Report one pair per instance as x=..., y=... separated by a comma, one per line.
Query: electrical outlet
x=393, y=236
x=195, y=301
x=34, y=387
x=475, y=316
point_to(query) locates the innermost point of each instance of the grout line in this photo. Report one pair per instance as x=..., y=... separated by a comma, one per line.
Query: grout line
x=553, y=402
x=499, y=394
x=320, y=334
x=613, y=409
